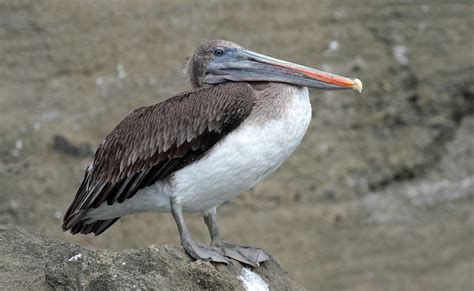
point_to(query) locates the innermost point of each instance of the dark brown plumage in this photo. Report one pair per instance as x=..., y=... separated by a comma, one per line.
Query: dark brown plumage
x=152, y=143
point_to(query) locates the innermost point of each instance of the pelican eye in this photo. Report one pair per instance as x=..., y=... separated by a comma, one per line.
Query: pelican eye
x=218, y=52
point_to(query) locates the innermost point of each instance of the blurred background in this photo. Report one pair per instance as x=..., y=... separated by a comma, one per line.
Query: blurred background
x=379, y=196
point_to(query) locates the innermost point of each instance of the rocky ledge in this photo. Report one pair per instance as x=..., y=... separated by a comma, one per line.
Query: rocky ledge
x=31, y=261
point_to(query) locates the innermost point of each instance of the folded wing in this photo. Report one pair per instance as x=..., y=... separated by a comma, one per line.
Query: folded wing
x=152, y=143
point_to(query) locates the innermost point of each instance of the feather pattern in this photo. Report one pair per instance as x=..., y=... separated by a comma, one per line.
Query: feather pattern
x=153, y=142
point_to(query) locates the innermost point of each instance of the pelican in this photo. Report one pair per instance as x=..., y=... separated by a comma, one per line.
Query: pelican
x=245, y=115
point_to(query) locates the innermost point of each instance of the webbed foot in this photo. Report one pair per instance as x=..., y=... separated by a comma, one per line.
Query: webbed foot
x=248, y=255
x=202, y=252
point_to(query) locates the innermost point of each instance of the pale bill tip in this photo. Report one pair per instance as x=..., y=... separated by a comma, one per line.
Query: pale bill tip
x=357, y=85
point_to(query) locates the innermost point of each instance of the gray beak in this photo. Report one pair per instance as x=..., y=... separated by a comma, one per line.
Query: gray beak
x=241, y=65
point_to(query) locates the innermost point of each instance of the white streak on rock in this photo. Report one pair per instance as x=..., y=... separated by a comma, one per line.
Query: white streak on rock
x=252, y=281
x=75, y=258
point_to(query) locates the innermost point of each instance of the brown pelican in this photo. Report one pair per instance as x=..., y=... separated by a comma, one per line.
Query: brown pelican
x=246, y=114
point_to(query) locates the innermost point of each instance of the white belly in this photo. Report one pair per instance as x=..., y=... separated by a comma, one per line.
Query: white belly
x=244, y=157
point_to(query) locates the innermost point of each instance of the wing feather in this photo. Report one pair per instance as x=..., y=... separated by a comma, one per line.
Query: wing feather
x=152, y=143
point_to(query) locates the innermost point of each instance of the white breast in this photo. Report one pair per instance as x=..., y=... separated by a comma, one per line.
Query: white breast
x=244, y=157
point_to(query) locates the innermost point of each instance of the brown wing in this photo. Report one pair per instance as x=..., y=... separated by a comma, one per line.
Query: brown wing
x=152, y=143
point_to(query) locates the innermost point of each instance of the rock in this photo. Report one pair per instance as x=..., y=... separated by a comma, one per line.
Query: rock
x=31, y=261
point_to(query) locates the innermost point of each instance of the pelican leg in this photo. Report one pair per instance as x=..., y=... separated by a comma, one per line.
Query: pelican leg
x=193, y=248
x=247, y=255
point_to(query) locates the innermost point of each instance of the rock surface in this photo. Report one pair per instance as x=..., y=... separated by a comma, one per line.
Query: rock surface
x=31, y=261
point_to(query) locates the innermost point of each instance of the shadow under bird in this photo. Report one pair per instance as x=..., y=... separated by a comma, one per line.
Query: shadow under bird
x=246, y=114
